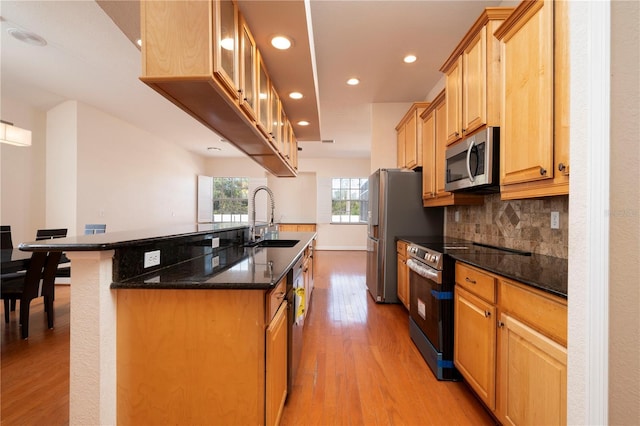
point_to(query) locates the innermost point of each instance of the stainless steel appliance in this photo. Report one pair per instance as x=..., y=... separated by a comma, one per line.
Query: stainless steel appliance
x=473, y=163
x=394, y=209
x=432, y=282
x=295, y=321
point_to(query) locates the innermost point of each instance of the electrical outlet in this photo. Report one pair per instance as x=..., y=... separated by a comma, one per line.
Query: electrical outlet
x=151, y=258
x=215, y=262
x=555, y=220
x=457, y=216
x=215, y=242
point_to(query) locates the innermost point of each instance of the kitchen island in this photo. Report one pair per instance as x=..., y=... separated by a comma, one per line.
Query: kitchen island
x=206, y=303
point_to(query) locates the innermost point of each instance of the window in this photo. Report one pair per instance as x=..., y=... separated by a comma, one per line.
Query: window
x=230, y=199
x=348, y=200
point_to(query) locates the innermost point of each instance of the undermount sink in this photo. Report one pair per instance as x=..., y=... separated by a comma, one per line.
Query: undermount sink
x=278, y=243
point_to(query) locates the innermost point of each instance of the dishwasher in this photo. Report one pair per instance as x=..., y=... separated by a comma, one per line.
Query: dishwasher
x=295, y=320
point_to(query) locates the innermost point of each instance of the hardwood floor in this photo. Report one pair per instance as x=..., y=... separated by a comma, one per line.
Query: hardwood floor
x=359, y=365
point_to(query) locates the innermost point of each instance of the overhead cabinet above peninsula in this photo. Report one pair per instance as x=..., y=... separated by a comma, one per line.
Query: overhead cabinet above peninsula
x=201, y=56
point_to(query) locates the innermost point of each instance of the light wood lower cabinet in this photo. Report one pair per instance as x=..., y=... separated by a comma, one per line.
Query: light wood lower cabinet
x=200, y=356
x=511, y=351
x=533, y=376
x=276, y=365
x=403, y=273
x=297, y=227
x=474, y=344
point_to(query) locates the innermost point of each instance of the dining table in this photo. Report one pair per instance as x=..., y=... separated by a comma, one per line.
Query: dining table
x=14, y=260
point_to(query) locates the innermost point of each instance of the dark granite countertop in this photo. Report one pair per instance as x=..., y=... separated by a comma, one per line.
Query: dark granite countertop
x=115, y=240
x=253, y=268
x=545, y=273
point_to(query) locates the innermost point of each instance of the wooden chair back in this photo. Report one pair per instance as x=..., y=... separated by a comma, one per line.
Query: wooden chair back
x=46, y=234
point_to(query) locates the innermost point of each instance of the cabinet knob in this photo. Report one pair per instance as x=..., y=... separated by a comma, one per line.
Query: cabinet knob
x=487, y=314
x=543, y=171
x=457, y=134
x=464, y=130
x=562, y=167
x=500, y=324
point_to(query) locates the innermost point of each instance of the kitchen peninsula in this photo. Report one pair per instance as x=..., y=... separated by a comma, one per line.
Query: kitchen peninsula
x=186, y=340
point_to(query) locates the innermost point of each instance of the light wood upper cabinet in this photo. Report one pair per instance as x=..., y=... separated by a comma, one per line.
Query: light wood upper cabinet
x=472, y=75
x=434, y=145
x=225, y=66
x=429, y=154
x=199, y=55
x=263, y=104
x=410, y=137
x=248, y=71
x=534, y=128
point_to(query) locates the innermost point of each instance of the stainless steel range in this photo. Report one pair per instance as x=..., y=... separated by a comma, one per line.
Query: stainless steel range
x=432, y=282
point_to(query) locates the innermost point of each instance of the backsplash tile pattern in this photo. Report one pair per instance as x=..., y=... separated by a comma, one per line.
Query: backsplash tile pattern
x=518, y=224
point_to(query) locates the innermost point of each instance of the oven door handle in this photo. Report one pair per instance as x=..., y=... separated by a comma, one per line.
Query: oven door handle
x=425, y=271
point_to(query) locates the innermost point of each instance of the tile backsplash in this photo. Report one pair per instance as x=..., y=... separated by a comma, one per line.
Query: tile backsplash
x=519, y=224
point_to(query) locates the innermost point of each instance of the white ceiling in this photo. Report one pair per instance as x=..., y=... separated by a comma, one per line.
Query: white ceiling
x=89, y=58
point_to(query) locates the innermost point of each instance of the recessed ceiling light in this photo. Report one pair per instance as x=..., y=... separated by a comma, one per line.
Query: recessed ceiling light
x=303, y=123
x=353, y=82
x=295, y=95
x=227, y=43
x=281, y=42
x=27, y=37
x=409, y=59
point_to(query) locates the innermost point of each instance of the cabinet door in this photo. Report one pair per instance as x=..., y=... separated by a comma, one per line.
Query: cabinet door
x=264, y=91
x=276, y=367
x=274, y=116
x=474, y=89
x=403, y=281
x=453, y=87
x=474, y=352
x=441, y=146
x=248, y=64
x=411, y=142
x=225, y=65
x=429, y=165
x=526, y=133
x=533, y=376
x=401, y=146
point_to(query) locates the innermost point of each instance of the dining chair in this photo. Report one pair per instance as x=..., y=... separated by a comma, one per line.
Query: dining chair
x=38, y=281
x=5, y=235
x=64, y=270
x=91, y=228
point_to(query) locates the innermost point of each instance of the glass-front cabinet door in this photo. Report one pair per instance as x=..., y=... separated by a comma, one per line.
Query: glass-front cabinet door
x=247, y=71
x=274, y=117
x=225, y=46
x=263, y=98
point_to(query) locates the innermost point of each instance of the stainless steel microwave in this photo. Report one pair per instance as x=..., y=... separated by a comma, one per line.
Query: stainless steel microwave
x=473, y=164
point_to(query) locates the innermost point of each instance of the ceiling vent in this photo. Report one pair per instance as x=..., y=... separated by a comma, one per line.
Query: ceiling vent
x=328, y=141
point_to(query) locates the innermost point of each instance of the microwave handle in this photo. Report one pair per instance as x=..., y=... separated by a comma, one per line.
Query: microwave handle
x=472, y=142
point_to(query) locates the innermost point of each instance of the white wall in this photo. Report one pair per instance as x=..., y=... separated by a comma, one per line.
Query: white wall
x=123, y=176
x=22, y=173
x=131, y=179
x=385, y=118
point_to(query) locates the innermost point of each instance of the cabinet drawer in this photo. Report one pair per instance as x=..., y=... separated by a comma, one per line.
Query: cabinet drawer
x=275, y=298
x=402, y=247
x=544, y=312
x=476, y=281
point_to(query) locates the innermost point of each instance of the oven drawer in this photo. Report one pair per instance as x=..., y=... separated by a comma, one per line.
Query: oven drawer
x=476, y=281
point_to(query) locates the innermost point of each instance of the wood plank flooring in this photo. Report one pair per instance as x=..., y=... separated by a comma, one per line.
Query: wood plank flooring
x=359, y=365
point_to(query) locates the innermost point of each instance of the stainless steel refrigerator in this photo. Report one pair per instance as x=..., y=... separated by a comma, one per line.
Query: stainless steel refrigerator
x=394, y=209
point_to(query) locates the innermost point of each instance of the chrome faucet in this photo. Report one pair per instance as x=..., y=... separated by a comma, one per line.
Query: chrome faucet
x=252, y=224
